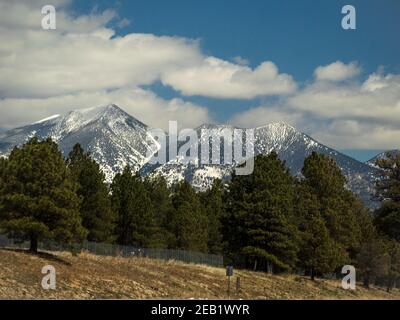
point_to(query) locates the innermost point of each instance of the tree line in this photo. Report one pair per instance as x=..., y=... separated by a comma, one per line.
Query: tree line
x=268, y=220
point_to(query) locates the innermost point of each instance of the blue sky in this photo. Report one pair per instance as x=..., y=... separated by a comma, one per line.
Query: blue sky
x=297, y=37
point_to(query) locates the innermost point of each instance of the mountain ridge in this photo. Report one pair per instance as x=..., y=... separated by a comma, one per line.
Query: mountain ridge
x=116, y=139
x=382, y=155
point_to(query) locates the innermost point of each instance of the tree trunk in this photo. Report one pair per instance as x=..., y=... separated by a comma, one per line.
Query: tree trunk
x=312, y=274
x=255, y=265
x=34, y=244
x=389, y=285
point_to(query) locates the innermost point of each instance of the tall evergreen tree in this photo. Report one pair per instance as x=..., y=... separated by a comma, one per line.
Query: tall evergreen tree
x=189, y=220
x=387, y=217
x=135, y=222
x=372, y=260
x=337, y=206
x=38, y=197
x=393, y=272
x=96, y=211
x=318, y=252
x=260, y=225
x=161, y=200
x=211, y=199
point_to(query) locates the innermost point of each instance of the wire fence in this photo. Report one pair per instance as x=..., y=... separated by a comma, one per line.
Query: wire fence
x=107, y=249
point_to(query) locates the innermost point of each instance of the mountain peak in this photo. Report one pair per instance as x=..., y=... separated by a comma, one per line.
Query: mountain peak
x=277, y=125
x=116, y=139
x=383, y=155
x=215, y=126
x=97, y=111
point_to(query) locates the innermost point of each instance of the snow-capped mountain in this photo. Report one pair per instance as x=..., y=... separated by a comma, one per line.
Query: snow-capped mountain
x=291, y=145
x=113, y=137
x=116, y=139
x=383, y=155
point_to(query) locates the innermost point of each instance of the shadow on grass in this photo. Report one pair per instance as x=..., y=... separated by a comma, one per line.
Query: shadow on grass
x=40, y=254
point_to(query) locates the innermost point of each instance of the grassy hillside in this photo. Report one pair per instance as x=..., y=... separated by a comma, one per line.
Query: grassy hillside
x=89, y=276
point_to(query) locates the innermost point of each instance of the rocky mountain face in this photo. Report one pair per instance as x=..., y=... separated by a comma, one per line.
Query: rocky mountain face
x=116, y=139
x=292, y=147
x=383, y=155
x=113, y=137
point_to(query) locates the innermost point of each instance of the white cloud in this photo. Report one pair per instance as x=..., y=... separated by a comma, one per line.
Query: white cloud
x=142, y=104
x=83, y=63
x=342, y=115
x=376, y=99
x=221, y=79
x=24, y=15
x=263, y=115
x=337, y=71
x=240, y=61
x=84, y=54
x=49, y=63
x=355, y=134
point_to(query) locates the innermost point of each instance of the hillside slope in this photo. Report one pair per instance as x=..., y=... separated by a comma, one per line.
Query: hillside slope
x=88, y=276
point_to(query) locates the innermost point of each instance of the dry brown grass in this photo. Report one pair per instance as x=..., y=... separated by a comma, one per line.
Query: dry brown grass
x=92, y=277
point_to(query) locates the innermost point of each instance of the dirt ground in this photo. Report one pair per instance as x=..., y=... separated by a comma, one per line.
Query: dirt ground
x=93, y=277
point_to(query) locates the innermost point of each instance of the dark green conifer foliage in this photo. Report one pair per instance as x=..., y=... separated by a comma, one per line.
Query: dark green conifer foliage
x=161, y=200
x=211, y=199
x=135, y=223
x=337, y=206
x=38, y=197
x=189, y=220
x=96, y=211
x=372, y=260
x=387, y=218
x=318, y=252
x=393, y=272
x=260, y=226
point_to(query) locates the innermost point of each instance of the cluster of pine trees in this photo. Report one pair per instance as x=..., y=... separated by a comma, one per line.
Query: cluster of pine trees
x=44, y=196
x=268, y=220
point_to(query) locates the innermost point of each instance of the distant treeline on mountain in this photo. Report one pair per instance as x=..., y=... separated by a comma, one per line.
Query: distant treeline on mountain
x=269, y=220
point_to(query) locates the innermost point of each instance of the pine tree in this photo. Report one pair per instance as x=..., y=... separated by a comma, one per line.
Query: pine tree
x=318, y=252
x=3, y=167
x=96, y=211
x=393, y=272
x=388, y=188
x=339, y=208
x=260, y=225
x=387, y=217
x=135, y=222
x=38, y=196
x=161, y=200
x=211, y=199
x=372, y=260
x=189, y=220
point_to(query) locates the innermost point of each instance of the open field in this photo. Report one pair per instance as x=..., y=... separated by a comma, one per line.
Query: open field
x=88, y=276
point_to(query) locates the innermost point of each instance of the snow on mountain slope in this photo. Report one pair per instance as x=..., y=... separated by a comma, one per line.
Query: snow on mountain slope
x=116, y=139
x=113, y=137
x=291, y=145
x=383, y=155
